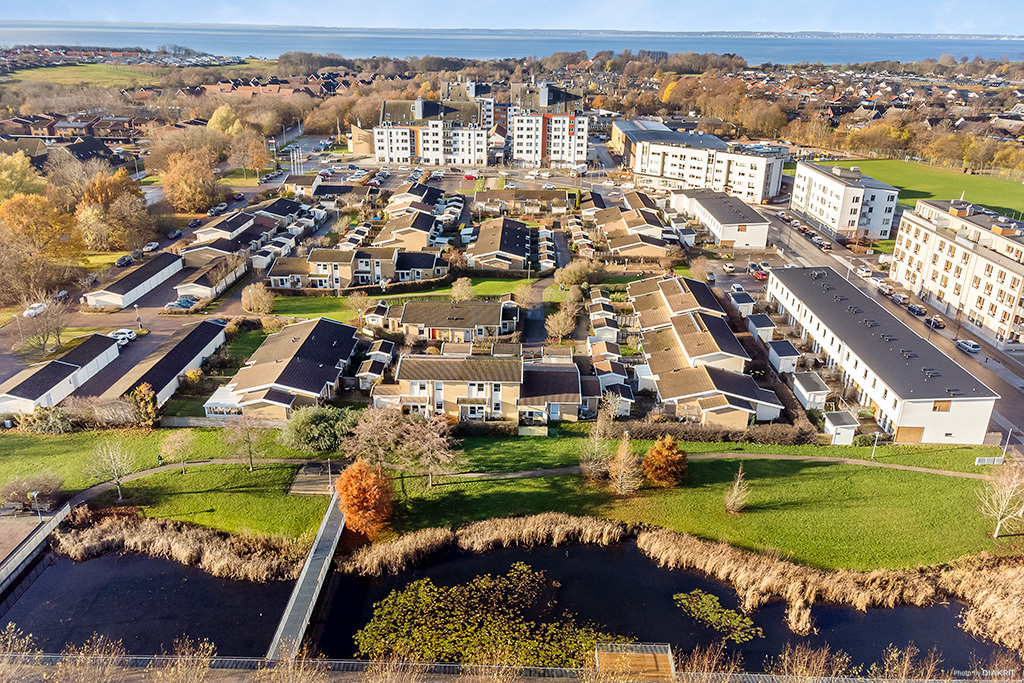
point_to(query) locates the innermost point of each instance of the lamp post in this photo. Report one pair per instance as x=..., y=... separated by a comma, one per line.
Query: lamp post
x=875, y=447
x=138, y=320
x=1006, y=445
x=34, y=497
x=20, y=334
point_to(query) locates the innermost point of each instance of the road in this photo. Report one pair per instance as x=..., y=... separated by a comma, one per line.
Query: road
x=986, y=366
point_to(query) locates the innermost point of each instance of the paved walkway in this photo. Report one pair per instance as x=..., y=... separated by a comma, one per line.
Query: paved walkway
x=555, y=471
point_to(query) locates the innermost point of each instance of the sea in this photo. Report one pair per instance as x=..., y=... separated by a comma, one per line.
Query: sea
x=236, y=40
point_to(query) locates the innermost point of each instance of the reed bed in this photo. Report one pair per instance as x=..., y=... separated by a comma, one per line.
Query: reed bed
x=239, y=557
x=993, y=589
x=549, y=528
x=396, y=555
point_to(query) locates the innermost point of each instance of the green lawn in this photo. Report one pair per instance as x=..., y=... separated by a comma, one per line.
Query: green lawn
x=185, y=406
x=69, y=455
x=481, y=185
x=237, y=178
x=245, y=343
x=620, y=279
x=338, y=307
x=151, y=180
x=98, y=75
x=917, y=181
x=228, y=498
x=830, y=516
x=683, y=271
x=96, y=261
x=554, y=294
x=884, y=246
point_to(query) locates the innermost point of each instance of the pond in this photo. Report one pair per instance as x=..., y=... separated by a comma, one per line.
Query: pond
x=620, y=590
x=147, y=602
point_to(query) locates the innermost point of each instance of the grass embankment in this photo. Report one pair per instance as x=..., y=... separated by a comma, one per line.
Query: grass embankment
x=338, y=307
x=919, y=181
x=69, y=455
x=228, y=498
x=820, y=514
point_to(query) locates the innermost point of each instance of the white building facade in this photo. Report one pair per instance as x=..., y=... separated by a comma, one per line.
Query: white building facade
x=555, y=140
x=844, y=201
x=965, y=260
x=751, y=176
x=437, y=143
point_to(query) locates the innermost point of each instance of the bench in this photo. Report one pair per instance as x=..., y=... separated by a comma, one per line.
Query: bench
x=313, y=468
x=40, y=507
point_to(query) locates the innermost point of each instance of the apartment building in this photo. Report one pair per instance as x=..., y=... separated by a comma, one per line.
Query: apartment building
x=732, y=223
x=543, y=139
x=677, y=160
x=966, y=260
x=916, y=392
x=429, y=132
x=843, y=202
x=450, y=321
x=337, y=269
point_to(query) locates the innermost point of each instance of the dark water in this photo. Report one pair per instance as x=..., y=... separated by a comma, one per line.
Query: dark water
x=271, y=41
x=147, y=602
x=622, y=591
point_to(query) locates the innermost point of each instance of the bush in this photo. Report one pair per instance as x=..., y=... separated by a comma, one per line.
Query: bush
x=495, y=428
x=665, y=464
x=17, y=489
x=47, y=421
x=314, y=429
x=365, y=496
x=869, y=439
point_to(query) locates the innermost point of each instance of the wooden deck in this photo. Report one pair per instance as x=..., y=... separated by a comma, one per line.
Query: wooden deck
x=647, y=661
x=313, y=479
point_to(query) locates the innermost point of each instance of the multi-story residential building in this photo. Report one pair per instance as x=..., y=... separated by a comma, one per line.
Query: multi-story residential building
x=337, y=269
x=556, y=140
x=732, y=223
x=965, y=261
x=428, y=132
x=916, y=392
x=844, y=202
x=677, y=161
x=547, y=98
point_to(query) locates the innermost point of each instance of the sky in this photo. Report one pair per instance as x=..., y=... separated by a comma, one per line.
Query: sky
x=1003, y=17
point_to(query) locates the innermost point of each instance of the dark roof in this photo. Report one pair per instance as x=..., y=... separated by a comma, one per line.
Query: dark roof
x=452, y=314
x=760, y=320
x=371, y=367
x=842, y=418
x=783, y=348
x=502, y=235
x=743, y=386
x=909, y=365
x=459, y=369
x=421, y=260
x=811, y=381
x=623, y=390
x=741, y=298
x=140, y=274
x=550, y=384
x=402, y=112
x=91, y=348
x=35, y=381
x=725, y=209
x=723, y=335
x=278, y=207
x=703, y=294
x=171, y=358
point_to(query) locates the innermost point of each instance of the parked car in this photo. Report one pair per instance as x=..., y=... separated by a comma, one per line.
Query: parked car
x=728, y=268
x=765, y=265
x=760, y=275
x=150, y=246
x=511, y=186
x=863, y=272
x=900, y=299
x=752, y=267
x=62, y=295
x=34, y=310
x=121, y=340
x=174, y=234
x=124, y=261
x=935, y=322
x=239, y=196
x=125, y=332
x=825, y=245
x=886, y=290
x=194, y=223
x=736, y=288
x=968, y=346
x=710, y=277
x=548, y=186
x=917, y=309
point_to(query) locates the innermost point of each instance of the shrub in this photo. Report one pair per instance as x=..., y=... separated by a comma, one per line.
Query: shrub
x=145, y=404
x=664, y=463
x=365, y=496
x=16, y=490
x=624, y=471
x=44, y=420
x=314, y=429
x=736, y=496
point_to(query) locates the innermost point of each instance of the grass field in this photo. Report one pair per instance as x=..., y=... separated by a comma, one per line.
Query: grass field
x=96, y=261
x=69, y=455
x=824, y=515
x=237, y=178
x=918, y=181
x=99, y=75
x=228, y=498
x=338, y=307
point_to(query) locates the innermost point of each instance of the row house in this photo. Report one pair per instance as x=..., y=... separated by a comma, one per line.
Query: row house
x=733, y=224
x=338, y=269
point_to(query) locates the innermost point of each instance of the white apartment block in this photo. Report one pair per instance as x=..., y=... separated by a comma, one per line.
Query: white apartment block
x=917, y=393
x=436, y=143
x=733, y=224
x=844, y=202
x=707, y=162
x=555, y=140
x=965, y=260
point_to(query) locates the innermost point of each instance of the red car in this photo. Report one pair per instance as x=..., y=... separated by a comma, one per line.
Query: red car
x=469, y=176
x=760, y=275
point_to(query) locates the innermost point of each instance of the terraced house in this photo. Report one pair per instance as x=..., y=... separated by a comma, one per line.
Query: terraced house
x=337, y=269
x=456, y=321
x=916, y=393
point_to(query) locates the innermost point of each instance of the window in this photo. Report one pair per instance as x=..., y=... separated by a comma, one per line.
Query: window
x=941, y=406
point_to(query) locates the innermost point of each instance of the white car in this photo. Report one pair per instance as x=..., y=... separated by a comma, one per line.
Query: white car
x=863, y=272
x=404, y=168
x=609, y=183
x=34, y=310
x=121, y=340
x=151, y=246
x=125, y=332
x=511, y=186
x=548, y=186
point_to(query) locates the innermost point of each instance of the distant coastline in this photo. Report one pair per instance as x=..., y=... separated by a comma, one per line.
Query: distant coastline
x=268, y=41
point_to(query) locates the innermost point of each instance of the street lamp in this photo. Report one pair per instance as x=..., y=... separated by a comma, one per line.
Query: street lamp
x=34, y=497
x=1006, y=445
x=20, y=334
x=875, y=447
x=138, y=320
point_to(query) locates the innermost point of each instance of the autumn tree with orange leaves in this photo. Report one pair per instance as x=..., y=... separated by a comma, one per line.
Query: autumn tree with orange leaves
x=365, y=496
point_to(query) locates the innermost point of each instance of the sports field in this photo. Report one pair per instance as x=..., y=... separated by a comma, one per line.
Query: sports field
x=918, y=181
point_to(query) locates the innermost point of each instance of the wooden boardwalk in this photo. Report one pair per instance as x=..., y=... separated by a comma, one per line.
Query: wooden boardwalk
x=313, y=479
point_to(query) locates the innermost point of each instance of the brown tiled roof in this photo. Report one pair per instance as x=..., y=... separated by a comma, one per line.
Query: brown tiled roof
x=459, y=369
x=452, y=314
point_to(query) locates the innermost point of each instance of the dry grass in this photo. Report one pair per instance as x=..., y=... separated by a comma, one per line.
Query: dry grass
x=399, y=554
x=550, y=528
x=238, y=557
x=993, y=588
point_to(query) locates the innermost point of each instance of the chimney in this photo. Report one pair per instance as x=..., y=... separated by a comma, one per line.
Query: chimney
x=417, y=108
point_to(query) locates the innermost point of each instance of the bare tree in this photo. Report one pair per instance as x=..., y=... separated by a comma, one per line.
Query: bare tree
x=525, y=295
x=256, y=298
x=177, y=446
x=560, y=324
x=430, y=447
x=358, y=300
x=595, y=455
x=112, y=461
x=44, y=331
x=462, y=290
x=245, y=433
x=377, y=435
x=700, y=266
x=737, y=494
x=624, y=471
x=1002, y=498
x=97, y=659
x=607, y=411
